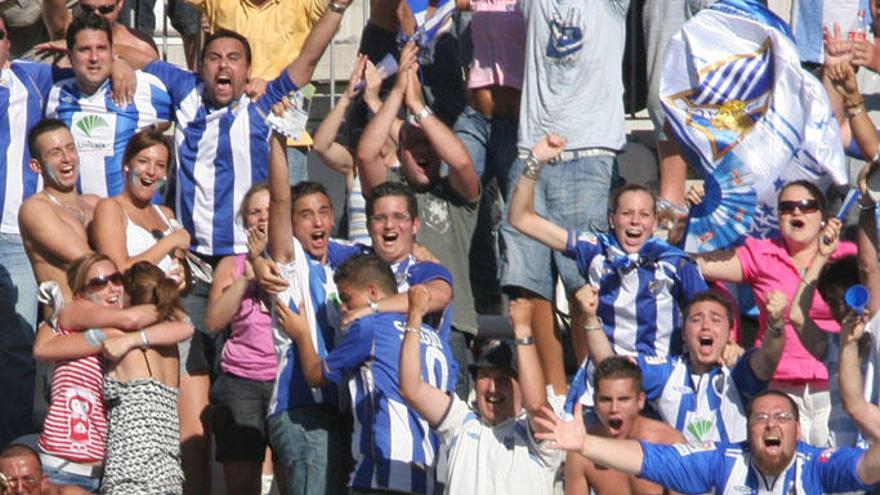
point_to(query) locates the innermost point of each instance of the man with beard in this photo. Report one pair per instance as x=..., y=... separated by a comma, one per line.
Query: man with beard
x=619, y=401
x=772, y=460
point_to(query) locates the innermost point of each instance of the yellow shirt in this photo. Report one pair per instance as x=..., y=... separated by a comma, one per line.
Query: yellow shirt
x=276, y=30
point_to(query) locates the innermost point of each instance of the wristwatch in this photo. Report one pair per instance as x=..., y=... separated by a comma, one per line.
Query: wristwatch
x=525, y=340
x=422, y=114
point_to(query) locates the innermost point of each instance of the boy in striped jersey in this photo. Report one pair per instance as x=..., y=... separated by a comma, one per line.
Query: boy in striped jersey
x=394, y=448
x=695, y=392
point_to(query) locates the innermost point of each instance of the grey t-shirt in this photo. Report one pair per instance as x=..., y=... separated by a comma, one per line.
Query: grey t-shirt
x=573, y=72
x=448, y=223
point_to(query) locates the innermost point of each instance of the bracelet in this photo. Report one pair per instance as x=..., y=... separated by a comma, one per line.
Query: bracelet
x=422, y=114
x=855, y=110
x=532, y=167
x=145, y=341
x=95, y=336
x=528, y=340
x=412, y=330
x=594, y=327
x=335, y=7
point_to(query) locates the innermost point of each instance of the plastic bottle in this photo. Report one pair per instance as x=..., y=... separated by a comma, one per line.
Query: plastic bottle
x=858, y=30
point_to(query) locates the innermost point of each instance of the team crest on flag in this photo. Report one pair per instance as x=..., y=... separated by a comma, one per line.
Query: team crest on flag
x=747, y=117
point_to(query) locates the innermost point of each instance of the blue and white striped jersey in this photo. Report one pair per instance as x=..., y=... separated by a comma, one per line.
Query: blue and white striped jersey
x=221, y=152
x=641, y=295
x=24, y=88
x=710, y=407
x=729, y=470
x=394, y=448
x=101, y=129
x=292, y=391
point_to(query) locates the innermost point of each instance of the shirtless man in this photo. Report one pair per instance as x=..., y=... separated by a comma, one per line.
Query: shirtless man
x=619, y=399
x=53, y=222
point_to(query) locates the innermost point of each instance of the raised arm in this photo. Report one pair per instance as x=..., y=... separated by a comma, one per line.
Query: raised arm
x=869, y=270
x=371, y=167
x=814, y=339
x=865, y=415
x=280, y=244
x=431, y=403
x=108, y=235
x=764, y=361
x=522, y=205
x=336, y=156
x=530, y=374
x=449, y=148
x=303, y=67
x=622, y=455
x=598, y=346
x=843, y=80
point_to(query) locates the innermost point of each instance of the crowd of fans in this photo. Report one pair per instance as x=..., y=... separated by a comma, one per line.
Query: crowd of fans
x=173, y=288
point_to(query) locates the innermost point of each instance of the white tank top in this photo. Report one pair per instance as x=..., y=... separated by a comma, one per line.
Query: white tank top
x=139, y=239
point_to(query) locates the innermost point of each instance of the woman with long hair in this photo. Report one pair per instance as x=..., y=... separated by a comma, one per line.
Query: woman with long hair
x=140, y=389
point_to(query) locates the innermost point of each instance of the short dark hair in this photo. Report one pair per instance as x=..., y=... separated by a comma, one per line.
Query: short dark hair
x=307, y=188
x=776, y=393
x=716, y=297
x=618, y=367
x=614, y=202
x=146, y=138
x=363, y=269
x=393, y=188
x=226, y=33
x=811, y=188
x=87, y=20
x=836, y=277
x=44, y=126
x=19, y=450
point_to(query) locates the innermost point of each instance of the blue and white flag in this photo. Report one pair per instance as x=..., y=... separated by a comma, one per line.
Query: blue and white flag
x=747, y=117
x=431, y=18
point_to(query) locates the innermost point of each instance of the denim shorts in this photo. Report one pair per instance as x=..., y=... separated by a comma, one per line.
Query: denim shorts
x=490, y=142
x=239, y=407
x=58, y=476
x=571, y=194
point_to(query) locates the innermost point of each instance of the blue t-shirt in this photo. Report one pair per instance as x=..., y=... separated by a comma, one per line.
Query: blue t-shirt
x=728, y=469
x=394, y=447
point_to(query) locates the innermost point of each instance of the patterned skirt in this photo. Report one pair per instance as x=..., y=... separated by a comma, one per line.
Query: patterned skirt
x=143, y=444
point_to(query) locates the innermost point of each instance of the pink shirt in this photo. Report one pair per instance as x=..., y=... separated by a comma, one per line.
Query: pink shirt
x=767, y=266
x=498, y=30
x=249, y=352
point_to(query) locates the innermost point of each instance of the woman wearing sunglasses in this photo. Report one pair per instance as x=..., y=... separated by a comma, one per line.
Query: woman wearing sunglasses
x=72, y=443
x=140, y=389
x=240, y=395
x=779, y=264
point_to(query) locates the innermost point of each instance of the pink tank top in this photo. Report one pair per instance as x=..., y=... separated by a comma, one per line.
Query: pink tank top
x=76, y=426
x=250, y=352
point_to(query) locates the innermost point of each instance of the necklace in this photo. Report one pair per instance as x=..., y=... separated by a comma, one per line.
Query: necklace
x=81, y=215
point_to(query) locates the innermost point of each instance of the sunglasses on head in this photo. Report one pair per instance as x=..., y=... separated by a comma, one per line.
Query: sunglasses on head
x=805, y=205
x=98, y=283
x=103, y=9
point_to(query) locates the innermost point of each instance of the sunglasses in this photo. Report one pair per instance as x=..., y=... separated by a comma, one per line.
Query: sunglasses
x=805, y=205
x=2, y=35
x=103, y=9
x=98, y=283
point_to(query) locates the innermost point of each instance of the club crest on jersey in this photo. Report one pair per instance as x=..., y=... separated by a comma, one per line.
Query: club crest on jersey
x=826, y=454
x=694, y=448
x=588, y=237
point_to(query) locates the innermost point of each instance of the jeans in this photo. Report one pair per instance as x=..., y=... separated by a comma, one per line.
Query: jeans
x=312, y=445
x=459, y=345
x=491, y=143
x=572, y=194
x=139, y=14
x=18, y=310
x=202, y=352
x=298, y=163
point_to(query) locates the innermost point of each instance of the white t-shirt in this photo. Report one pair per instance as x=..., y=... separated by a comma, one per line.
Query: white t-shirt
x=502, y=459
